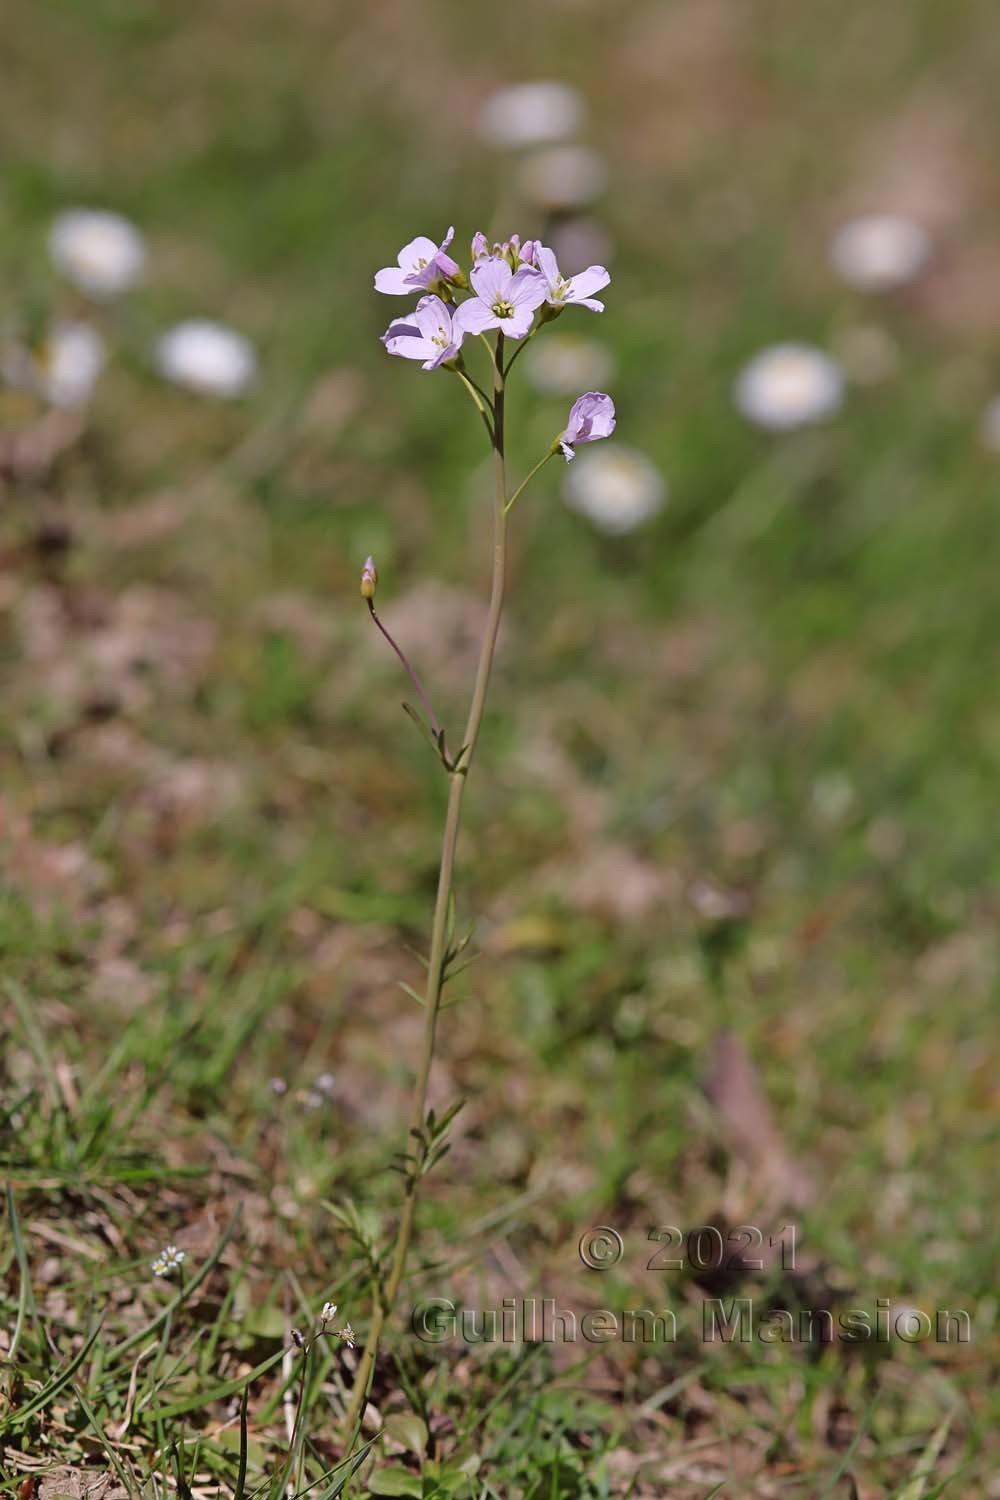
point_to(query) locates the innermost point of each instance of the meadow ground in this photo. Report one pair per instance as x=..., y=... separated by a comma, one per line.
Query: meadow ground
x=729, y=838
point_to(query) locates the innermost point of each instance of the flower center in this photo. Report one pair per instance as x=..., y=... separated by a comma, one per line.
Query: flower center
x=420, y=263
x=441, y=338
x=502, y=309
x=561, y=290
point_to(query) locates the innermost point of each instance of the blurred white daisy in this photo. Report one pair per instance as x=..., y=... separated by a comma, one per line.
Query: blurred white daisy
x=528, y=114
x=100, y=252
x=70, y=363
x=563, y=177
x=207, y=357
x=63, y=370
x=616, y=488
x=990, y=425
x=878, y=252
x=169, y=1259
x=789, y=385
x=563, y=364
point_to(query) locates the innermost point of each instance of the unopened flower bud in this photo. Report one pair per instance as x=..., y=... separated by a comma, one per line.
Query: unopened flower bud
x=297, y=1338
x=369, y=579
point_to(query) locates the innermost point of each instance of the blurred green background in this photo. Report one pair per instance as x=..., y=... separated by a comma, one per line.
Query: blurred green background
x=739, y=765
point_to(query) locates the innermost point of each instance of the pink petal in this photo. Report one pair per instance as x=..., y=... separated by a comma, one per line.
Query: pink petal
x=547, y=264
x=527, y=289
x=393, y=281
x=409, y=348
x=474, y=316
x=491, y=279
x=590, y=302
x=419, y=249
x=431, y=314
x=516, y=327
x=586, y=282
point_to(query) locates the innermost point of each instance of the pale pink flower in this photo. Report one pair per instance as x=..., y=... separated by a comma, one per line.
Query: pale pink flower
x=429, y=334
x=577, y=289
x=419, y=265
x=503, y=299
x=591, y=417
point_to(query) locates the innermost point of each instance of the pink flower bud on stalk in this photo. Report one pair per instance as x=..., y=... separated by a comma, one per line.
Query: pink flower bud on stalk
x=369, y=579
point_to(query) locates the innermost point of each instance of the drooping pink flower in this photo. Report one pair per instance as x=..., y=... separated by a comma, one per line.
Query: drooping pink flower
x=577, y=289
x=430, y=334
x=504, y=299
x=419, y=264
x=591, y=417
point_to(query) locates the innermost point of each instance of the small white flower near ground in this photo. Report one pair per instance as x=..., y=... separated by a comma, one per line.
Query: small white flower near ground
x=879, y=252
x=789, y=385
x=616, y=488
x=169, y=1259
x=102, y=253
x=528, y=114
x=207, y=357
x=563, y=177
x=328, y=1312
x=70, y=364
x=990, y=425
x=561, y=364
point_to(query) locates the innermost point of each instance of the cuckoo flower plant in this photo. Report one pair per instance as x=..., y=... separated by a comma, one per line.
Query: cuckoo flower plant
x=509, y=293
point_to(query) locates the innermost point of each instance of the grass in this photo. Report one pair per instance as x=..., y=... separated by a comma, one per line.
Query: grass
x=218, y=830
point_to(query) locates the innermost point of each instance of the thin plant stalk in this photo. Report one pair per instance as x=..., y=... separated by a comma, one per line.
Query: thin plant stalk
x=457, y=772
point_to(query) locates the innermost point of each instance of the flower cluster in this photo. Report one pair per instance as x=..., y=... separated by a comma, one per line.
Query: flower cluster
x=169, y=1259
x=322, y=1330
x=513, y=287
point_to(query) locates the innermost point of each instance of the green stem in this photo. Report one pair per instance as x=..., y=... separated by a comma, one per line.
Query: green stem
x=435, y=966
x=527, y=479
x=412, y=674
x=479, y=397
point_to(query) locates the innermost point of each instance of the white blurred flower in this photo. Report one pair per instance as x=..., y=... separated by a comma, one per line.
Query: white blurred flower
x=70, y=363
x=63, y=370
x=563, y=364
x=328, y=1312
x=563, y=177
x=990, y=425
x=878, y=252
x=788, y=386
x=527, y=114
x=99, y=252
x=169, y=1259
x=207, y=357
x=616, y=488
